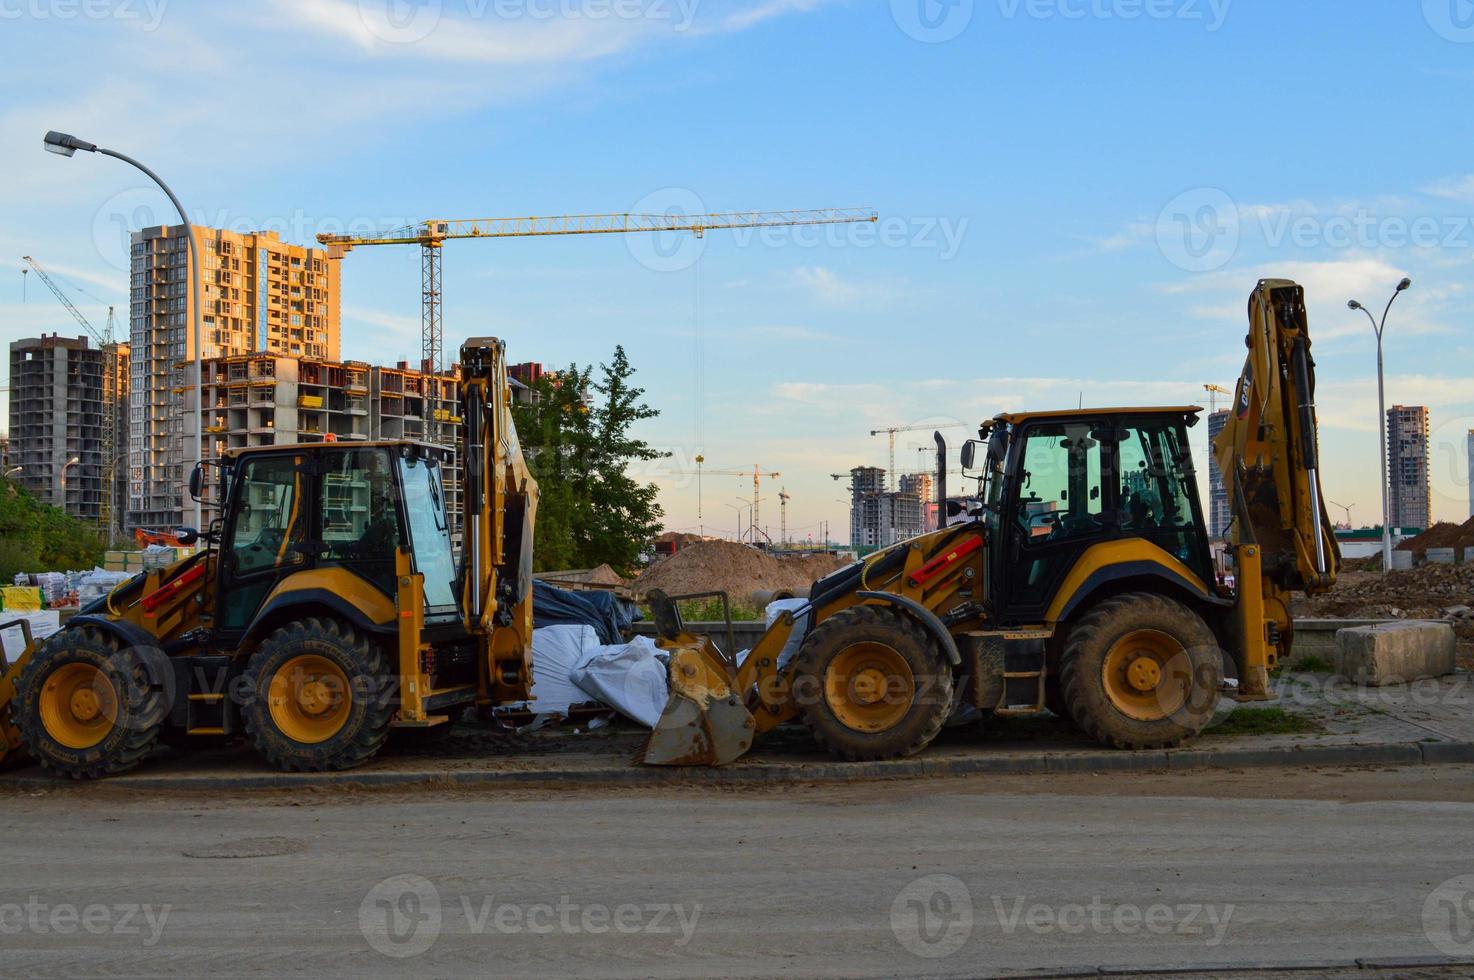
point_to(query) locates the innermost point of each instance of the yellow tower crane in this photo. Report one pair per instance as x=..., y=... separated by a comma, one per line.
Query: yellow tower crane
x=890, y=432
x=432, y=235
x=757, y=475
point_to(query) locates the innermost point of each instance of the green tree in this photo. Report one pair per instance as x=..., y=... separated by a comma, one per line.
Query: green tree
x=591, y=511
x=36, y=537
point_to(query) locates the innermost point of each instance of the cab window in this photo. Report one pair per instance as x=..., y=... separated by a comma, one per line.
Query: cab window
x=1155, y=468
x=1060, y=484
x=270, y=525
x=360, y=520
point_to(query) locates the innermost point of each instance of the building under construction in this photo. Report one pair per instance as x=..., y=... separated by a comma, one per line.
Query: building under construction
x=63, y=438
x=879, y=518
x=259, y=294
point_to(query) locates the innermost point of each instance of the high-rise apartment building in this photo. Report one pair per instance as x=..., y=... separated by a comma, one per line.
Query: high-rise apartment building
x=1218, y=513
x=1409, y=495
x=259, y=294
x=879, y=518
x=65, y=422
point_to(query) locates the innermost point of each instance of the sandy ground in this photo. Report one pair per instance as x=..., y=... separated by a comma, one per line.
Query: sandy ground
x=942, y=877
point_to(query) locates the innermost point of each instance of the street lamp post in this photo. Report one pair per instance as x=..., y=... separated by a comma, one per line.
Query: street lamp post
x=62, y=479
x=1377, y=328
x=65, y=145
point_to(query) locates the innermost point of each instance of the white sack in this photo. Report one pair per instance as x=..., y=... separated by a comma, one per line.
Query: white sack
x=556, y=650
x=632, y=678
x=43, y=624
x=777, y=608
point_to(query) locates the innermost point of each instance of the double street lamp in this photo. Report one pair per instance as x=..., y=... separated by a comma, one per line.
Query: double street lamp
x=65, y=145
x=1377, y=328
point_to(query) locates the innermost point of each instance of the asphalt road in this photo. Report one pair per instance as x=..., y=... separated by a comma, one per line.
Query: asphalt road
x=961, y=877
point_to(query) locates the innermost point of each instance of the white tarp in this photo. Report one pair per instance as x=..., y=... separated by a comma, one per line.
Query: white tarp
x=43, y=624
x=777, y=608
x=556, y=650
x=631, y=678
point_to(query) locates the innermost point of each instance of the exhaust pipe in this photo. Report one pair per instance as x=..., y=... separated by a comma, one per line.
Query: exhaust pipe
x=941, y=479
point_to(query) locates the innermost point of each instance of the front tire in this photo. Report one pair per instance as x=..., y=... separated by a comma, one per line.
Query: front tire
x=87, y=707
x=872, y=684
x=319, y=697
x=1141, y=671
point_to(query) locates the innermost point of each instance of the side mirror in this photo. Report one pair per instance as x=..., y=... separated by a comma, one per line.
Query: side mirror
x=955, y=508
x=969, y=453
x=187, y=536
x=196, y=481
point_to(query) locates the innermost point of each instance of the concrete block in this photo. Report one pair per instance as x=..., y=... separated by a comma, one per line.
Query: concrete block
x=1440, y=556
x=1469, y=554
x=1402, y=560
x=1317, y=637
x=1394, y=653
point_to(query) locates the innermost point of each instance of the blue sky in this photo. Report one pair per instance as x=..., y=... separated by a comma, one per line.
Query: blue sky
x=1076, y=198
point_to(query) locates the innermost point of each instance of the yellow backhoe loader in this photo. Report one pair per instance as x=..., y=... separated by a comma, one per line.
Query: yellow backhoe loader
x=1081, y=583
x=326, y=608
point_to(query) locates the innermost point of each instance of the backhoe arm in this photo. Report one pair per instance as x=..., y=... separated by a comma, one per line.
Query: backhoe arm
x=1281, y=537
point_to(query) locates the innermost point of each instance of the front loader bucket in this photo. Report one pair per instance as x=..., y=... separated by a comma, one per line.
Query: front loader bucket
x=704, y=722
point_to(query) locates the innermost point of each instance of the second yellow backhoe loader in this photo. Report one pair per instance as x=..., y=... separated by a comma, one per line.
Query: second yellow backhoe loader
x=1081, y=582
x=326, y=609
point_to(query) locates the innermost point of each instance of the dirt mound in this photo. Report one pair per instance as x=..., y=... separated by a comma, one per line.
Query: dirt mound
x=603, y=575
x=1434, y=592
x=1442, y=535
x=712, y=566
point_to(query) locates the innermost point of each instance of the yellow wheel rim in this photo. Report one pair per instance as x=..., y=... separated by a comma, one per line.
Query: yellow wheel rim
x=78, y=705
x=309, y=699
x=1147, y=675
x=869, y=687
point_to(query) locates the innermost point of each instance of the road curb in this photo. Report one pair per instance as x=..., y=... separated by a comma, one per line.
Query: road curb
x=759, y=773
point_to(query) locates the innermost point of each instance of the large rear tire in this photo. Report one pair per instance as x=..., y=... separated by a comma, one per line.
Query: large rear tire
x=871, y=683
x=87, y=707
x=1141, y=671
x=319, y=697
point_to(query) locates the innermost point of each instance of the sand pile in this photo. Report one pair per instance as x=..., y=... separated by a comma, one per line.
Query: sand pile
x=712, y=566
x=1442, y=535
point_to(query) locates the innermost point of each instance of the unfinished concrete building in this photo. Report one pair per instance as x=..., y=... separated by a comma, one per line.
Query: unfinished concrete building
x=266, y=399
x=259, y=294
x=879, y=518
x=1409, y=493
x=59, y=426
x=1219, y=515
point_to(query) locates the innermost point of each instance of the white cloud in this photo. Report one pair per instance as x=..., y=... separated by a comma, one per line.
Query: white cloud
x=827, y=287
x=1459, y=189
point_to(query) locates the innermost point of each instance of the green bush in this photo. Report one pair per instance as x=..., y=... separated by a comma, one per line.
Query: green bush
x=36, y=537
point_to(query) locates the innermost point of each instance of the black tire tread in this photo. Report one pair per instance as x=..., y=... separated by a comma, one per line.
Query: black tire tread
x=835, y=737
x=144, y=701
x=1105, y=726
x=362, y=659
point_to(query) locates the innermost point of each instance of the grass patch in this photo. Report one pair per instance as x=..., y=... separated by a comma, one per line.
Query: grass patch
x=1263, y=721
x=1314, y=664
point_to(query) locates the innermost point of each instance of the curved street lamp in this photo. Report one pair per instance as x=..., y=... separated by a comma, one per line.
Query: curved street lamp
x=1377, y=328
x=66, y=145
